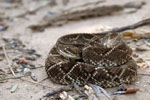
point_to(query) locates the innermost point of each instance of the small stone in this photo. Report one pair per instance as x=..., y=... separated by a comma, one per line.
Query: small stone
x=65, y=96
x=137, y=83
x=31, y=57
x=139, y=60
x=135, y=55
x=19, y=69
x=130, y=10
x=13, y=89
x=27, y=71
x=30, y=66
x=134, y=4
x=140, y=49
x=3, y=27
x=34, y=78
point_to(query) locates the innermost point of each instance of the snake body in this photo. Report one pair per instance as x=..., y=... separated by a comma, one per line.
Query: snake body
x=102, y=59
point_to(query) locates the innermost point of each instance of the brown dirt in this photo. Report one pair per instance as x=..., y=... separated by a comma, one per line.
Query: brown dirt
x=43, y=41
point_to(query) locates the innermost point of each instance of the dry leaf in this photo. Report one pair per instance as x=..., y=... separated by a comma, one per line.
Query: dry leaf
x=131, y=35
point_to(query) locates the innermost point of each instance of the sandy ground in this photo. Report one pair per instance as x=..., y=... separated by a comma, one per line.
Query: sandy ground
x=43, y=41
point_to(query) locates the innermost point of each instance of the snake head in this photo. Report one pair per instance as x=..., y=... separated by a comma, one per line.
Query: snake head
x=69, y=51
x=111, y=40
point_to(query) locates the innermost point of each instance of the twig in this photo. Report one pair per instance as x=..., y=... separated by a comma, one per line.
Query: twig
x=144, y=74
x=14, y=77
x=43, y=79
x=52, y=93
x=124, y=28
x=19, y=77
x=21, y=71
x=37, y=83
x=15, y=74
x=65, y=88
x=66, y=16
x=133, y=26
x=9, y=65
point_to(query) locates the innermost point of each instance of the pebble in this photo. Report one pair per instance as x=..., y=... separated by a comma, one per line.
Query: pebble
x=13, y=89
x=139, y=60
x=134, y=4
x=137, y=83
x=31, y=57
x=27, y=71
x=65, y=96
x=1, y=28
x=135, y=55
x=34, y=78
x=19, y=69
x=130, y=10
x=140, y=49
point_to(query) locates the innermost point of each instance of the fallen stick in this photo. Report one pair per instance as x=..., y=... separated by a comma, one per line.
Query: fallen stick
x=64, y=17
x=21, y=71
x=37, y=83
x=52, y=93
x=43, y=79
x=9, y=65
x=15, y=74
x=66, y=88
x=124, y=28
x=14, y=77
x=126, y=91
x=133, y=26
x=143, y=74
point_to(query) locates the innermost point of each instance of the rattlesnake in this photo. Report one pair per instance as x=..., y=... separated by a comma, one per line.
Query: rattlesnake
x=102, y=59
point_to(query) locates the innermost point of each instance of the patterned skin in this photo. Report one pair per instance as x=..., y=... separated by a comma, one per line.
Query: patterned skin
x=102, y=59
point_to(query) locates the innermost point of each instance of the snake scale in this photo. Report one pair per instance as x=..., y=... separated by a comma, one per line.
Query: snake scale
x=101, y=59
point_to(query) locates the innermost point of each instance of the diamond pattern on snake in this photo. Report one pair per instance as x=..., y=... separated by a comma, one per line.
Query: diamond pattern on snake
x=82, y=58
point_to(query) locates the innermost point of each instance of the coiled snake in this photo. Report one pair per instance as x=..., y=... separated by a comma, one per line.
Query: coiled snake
x=102, y=59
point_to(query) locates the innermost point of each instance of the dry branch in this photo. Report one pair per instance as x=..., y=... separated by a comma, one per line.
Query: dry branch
x=124, y=28
x=133, y=26
x=9, y=64
x=52, y=93
x=14, y=77
x=73, y=15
